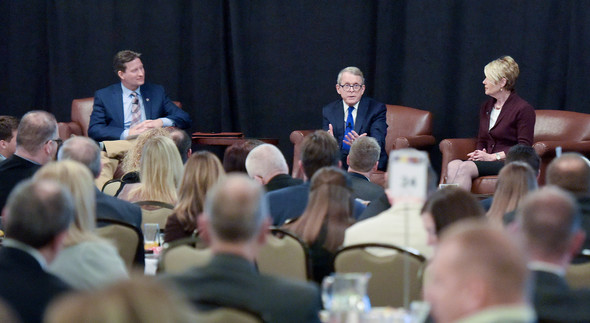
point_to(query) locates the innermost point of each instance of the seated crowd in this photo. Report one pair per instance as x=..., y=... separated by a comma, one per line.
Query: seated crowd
x=481, y=254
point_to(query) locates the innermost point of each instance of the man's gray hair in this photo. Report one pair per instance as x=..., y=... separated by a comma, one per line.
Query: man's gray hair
x=352, y=70
x=264, y=160
x=83, y=150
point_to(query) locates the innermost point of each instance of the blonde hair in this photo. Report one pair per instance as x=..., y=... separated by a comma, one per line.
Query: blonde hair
x=515, y=180
x=503, y=67
x=160, y=172
x=131, y=161
x=77, y=178
x=202, y=170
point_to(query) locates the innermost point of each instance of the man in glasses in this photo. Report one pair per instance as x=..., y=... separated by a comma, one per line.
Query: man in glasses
x=355, y=115
x=36, y=145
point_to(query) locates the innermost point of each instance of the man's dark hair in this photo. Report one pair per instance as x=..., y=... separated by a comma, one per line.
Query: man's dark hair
x=182, y=141
x=8, y=124
x=123, y=57
x=318, y=150
x=234, y=158
x=525, y=154
x=38, y=211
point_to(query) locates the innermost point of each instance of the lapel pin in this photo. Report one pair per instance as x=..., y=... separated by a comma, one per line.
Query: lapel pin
x=147, y=99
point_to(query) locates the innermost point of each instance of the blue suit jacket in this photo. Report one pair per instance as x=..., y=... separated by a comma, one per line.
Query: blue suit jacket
x=107, y=118
x=370, y=118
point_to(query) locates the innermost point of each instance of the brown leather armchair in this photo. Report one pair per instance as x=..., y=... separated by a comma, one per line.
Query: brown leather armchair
x=80, y=115
x=406, y=127
x=553, y=128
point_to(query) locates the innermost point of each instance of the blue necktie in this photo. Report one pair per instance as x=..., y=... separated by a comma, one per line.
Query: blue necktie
x=349, y=127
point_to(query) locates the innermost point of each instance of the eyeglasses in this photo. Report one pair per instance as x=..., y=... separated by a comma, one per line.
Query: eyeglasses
x=347, y=87
x=58, y=141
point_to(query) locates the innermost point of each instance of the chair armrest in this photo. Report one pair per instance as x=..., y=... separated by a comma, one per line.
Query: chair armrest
x=547, y=148
x=456, y=148
x=67, y=129
x=296, y=138
x=420, y=141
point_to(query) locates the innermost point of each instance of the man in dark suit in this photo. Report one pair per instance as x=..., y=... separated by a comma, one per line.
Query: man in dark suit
x=362, y=162
x=87, y=152
x=235, y=223
x=267, y=165
x=355, y=115
x=37, y=141
x=549, y=226
x=36, y=219
x=132, y=106
x=318, y=150
x=8, y=128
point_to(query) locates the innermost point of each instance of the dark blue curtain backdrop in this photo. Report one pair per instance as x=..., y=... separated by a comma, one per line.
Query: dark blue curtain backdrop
x=267, y=67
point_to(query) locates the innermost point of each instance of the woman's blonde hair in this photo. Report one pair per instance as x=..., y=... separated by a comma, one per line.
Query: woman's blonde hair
x=202, y=170
x=78, y=179
x=503, y=67
x=131, y=161
x=330, y=205
x=515, y=180
x=160, y=172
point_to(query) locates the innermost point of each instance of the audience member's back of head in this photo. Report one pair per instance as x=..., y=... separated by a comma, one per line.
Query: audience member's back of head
x=570, y=171
x=236, y=209
x=526, y=154
x=139, y=300
x=549, y=219
x=264, y=160
x=182, y=141
x=132, y=160
x=364, y=154
x=38, y=211
x=318, y=150
x=515, y=181
x=8, y=124
x=35, y=129
x=234, y=158
x=83, y=150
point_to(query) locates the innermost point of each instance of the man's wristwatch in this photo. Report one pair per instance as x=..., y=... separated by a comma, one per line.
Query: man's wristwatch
x=498, y=156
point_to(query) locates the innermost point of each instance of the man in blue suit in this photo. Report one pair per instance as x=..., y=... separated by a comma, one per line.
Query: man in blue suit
x=133, y=106
x=355, y=115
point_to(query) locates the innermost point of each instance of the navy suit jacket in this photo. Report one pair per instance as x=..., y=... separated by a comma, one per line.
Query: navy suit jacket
x=26, y=287
x=554, y=301
x=362, y=188
x=370, y=118
x=107, y=118
x=12, y=171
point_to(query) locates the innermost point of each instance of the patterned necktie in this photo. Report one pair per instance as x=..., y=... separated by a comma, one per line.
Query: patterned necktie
x=349, y=127
x=135, y=110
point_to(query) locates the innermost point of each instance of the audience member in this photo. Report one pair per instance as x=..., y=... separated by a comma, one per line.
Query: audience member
x=445, y=207
x=515, y=181
x=36, y=219
x=87, y=261
x=36, y=144
x=478, y=275
x=571, y=172
x=132, y=106
x=234, y=158
x=183, y=142
x=549, y=223
x=522, y=153
x=132, y=159
x=267, y=165
x=236, y=223
x=139, y=300
x=389, y=225
x=363, y=159
x=327, y=215
x=8, y=129
x=318, y=150
x=202, y=171
x=160, y=174
x=355, y=116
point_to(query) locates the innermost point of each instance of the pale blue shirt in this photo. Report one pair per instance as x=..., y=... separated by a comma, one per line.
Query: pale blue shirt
x=127, y=115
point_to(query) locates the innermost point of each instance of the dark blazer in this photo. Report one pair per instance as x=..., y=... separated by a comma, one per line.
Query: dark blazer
x=107, y=118
x=290, y=202
x=12, y=171
x=376, y=206
x=281, y=181
x=26, y=287
x=232, y=281
x=362, y=188
x=515, y=125
x=370, y=118
x=554, y=301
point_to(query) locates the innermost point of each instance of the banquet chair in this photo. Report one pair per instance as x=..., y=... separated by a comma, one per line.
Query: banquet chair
x=111, y=187
x=578, y=275
x=406, y=128
x=388, y=281
x=127, y=238
x=155, y=212
x=227, y=314
x=284, y=255
x=179, y=255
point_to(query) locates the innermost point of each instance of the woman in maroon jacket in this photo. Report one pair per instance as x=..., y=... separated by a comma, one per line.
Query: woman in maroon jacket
x=504, y=121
